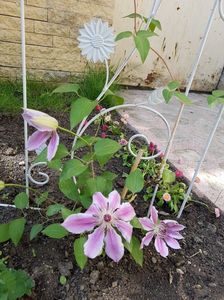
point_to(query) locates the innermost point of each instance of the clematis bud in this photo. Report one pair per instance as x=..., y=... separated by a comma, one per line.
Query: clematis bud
x=99, y=107
x=104, y=127
x=179, y=173
x=2, y=185
x=103, y=135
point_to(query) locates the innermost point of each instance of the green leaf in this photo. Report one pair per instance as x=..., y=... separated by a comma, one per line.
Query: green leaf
x=135, y=223
x=146, y=34
x=80, y=257
x=54, y=209
x=167, y=95
x=134, y=15
x=37, y=228
x=212, y=100
x=62, y=152
x=105, y=149
x=134, y=249
x=42, y=198
x=183, y=98
x=123, y=35
x=54, y=164
x=143, y=46
x=16, y=229
x=63, y=280
x=69, y=189
x=55, y=231
x=173, y=85
x=168, y=176
x=218, y=93
x=65, y=212
x=112, y=100
x=81, y=108
x=71, y=168
x=67, y=88
x=135, y=181
x=97, y=184
x=21, y=200
x=4, y=233
x=155, y=24
x=89, y=140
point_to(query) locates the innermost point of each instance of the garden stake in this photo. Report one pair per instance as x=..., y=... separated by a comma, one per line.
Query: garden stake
x=208, y=143
x=193, y=72
x=133, y=168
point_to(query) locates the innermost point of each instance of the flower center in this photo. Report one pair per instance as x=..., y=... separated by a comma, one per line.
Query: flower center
x=160, y=229
x=97, y=41
x=107, y=218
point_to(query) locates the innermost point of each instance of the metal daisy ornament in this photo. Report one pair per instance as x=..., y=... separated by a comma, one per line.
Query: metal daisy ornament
x=97, y=41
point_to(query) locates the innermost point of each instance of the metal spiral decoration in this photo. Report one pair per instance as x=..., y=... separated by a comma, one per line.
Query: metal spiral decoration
x=221, y=13
x=44, y=175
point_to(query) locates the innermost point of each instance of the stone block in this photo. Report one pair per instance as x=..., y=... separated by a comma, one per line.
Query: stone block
x=51, y=29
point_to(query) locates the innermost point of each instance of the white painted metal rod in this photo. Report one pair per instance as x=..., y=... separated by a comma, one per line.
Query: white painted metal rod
x=208, y=143
x=13, y=206
x=190, y=81
x=23, y=49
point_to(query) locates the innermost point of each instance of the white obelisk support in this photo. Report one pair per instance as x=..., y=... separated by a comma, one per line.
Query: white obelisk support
x=23, y=50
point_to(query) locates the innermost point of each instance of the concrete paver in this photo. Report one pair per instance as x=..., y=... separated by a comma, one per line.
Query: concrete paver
x=189, y=141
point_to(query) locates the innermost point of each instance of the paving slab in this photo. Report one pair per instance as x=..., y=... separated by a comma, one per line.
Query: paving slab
x=190, y=139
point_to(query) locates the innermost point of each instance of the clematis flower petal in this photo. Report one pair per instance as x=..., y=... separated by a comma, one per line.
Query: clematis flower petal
x=53, y=146
x=147, y=239
x=174, y=235
x=161, y=247
x=173, y=225
x=79, y=223
x=99, y=200
x=125, y=228
x=154, y=215
x=93, y=210
x=172, y=243
x=125, y=212
x=114, y=200
x=41, y=121
x=114, y=247
x=94, y=245
x=37, y=139
x=146, y=223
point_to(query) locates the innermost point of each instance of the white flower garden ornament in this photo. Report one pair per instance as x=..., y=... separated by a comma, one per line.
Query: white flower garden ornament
x=96, y=41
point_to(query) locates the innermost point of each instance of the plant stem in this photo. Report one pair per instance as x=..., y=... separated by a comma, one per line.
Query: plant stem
x=163, y=60
x=19, y=186
x=74, y=134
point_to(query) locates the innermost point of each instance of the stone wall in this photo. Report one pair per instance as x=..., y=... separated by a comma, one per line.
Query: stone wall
x=51, y=36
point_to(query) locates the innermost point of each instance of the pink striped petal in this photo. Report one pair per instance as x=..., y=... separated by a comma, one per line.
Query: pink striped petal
x=172, y=243
x=125, y=212
x=125, y=228
x=114, y=247
x=53, y=145
x=79, y=223
x=146, y=223
x=93, y=210
x=176, y=235
x=173, y=225
x=94, y=245
x=161, y=247
x=29, y=114
x=154, y=215
x=100, y=201
x=37, y=139
x=114, y=200
x=147, y=239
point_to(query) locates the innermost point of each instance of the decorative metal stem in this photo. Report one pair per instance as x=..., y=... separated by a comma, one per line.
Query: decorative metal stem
x=40, y=173
x=191, y=78
x=23, y=49
x=208, y=143
x=221, y=13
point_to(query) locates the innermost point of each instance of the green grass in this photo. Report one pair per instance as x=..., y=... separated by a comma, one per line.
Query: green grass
x=39, y=95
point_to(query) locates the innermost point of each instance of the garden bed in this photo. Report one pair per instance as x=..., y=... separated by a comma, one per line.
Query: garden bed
x=194, y=272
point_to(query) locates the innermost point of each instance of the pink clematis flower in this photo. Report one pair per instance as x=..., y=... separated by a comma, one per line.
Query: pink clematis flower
x=106, y=215
x=46, y=129
x=166, y=233
x=123, y=142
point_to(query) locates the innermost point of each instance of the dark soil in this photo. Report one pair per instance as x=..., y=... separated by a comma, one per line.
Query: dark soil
x=194, y=272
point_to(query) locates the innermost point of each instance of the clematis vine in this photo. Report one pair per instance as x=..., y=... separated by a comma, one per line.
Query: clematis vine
x=46, y=130
x=166, y=233
x=108, y=216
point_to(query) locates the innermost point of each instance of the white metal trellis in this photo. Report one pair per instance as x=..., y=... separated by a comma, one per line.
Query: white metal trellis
x=83, y=126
